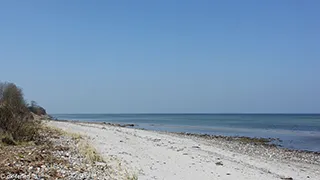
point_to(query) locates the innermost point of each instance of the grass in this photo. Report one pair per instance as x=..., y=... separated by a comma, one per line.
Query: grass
x=133, y=177
x=7, y=140
x=89, y=152
x=53, y=130
x=91, y=155
x=85, y=149
x=75, y=136
x=129, y=176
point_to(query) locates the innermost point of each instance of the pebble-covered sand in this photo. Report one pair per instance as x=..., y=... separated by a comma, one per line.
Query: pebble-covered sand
x=58, y=156
x=160, y=155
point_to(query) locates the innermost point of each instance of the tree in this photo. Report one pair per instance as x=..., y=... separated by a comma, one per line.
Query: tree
x=34, y=104
x=36, y=109
x=15, y=118
x=12, y=96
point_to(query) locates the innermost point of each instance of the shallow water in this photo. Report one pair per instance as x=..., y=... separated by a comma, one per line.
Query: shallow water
x=297, y=131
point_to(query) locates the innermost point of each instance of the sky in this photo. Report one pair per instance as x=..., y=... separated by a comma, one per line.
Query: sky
x=165, y=56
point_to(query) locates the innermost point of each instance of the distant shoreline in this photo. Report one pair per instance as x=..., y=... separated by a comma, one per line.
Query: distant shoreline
x=185, y=114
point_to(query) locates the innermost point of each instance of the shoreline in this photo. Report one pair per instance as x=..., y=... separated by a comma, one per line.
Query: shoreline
x=165, y=155
x=265, y=141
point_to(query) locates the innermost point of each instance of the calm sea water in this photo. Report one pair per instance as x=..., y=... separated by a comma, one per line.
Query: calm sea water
x=297, y=131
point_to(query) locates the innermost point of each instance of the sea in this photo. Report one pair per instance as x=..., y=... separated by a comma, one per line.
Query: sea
x=296, y=131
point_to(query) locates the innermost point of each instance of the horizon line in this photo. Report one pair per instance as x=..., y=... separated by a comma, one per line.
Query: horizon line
x=195, y=113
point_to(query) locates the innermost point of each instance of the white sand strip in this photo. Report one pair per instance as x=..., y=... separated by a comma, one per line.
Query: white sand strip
x=154, y=155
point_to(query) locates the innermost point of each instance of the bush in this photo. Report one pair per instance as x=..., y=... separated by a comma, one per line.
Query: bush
x=36, y=109
x=15, y=118
x=8, y=139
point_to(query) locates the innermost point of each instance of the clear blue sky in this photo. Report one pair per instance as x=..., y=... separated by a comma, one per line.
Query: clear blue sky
x=164, y=56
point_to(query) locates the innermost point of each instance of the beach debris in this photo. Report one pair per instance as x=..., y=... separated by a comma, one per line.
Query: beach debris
x=219, y=163
x=228, y=174
x=286, y=178
x=197, y=147
x=156, y=140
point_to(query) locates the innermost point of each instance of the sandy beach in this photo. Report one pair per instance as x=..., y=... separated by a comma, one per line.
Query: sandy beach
x=160, y=155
